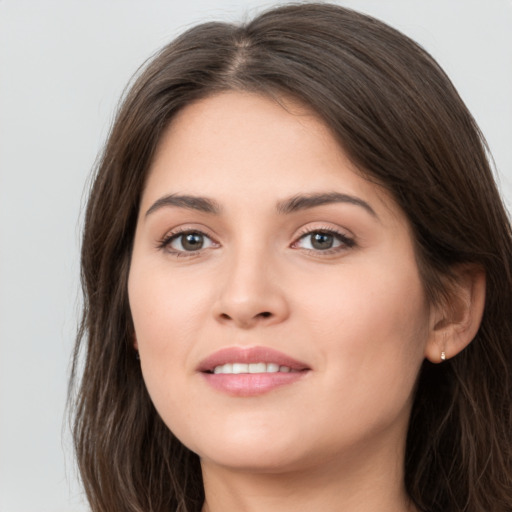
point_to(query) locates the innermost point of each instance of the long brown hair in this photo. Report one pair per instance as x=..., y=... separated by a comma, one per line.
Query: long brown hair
x=400, y=120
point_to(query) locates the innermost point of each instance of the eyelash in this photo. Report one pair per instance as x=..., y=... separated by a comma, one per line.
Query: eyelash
x=165, y=242
x=346, y=242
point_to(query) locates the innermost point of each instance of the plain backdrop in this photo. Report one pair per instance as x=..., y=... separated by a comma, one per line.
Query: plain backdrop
x=63, y=67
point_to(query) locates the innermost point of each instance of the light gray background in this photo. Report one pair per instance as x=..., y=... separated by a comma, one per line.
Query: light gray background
x=63, y=66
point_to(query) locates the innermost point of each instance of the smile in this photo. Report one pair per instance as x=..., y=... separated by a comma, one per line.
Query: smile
x=237, y=368
x=250, y=371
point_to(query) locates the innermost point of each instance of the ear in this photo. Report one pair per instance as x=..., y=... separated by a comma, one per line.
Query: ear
x=455, y=323
x=135, y=344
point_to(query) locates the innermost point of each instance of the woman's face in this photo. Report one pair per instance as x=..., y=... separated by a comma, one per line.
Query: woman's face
x=277, y=304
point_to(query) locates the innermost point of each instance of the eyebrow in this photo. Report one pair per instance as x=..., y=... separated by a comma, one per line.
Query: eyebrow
x=201, y=204
x=294, y=204
x=303, y=202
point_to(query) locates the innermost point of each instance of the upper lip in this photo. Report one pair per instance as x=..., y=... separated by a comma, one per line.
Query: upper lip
x=249, y=355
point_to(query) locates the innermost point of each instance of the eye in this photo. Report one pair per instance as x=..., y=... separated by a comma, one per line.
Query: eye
x=186, y=241
x=324, y=240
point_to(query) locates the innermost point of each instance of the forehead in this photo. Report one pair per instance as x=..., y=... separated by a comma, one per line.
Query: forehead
x=253, y=146
x=235, y=124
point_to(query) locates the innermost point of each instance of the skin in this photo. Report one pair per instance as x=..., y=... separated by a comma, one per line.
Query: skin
x=355, y=314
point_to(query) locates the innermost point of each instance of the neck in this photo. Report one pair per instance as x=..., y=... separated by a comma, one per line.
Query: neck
x=364, y=483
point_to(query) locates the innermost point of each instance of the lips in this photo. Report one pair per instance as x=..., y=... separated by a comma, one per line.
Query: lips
x=250, y=355
x=250, y=371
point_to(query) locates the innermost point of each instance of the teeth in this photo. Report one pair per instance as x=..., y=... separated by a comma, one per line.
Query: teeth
x=236, y=368
x=240, y=368
x=226, y=368
x=257, y=368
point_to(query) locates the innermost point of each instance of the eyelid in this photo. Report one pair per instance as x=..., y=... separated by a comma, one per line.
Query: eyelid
x=347, y=239
x=164, y=242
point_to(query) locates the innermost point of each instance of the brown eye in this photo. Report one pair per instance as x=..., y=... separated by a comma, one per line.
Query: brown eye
x=189, y=241
x=324, y=241
x=192, y=241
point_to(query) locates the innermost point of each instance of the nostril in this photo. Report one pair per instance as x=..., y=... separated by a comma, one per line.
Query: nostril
x=245, y=319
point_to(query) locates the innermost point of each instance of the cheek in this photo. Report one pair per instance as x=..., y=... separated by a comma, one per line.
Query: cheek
x=166, y=320
x=371, y=327
x=163, y=308
x=367, y=299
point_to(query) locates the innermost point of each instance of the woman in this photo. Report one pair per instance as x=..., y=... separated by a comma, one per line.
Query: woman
x=297, y=279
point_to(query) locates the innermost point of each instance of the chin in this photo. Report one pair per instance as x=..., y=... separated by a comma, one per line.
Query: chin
x=264, y=451
x=249, y=449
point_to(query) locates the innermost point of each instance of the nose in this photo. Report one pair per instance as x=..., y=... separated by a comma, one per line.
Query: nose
x=250, y=294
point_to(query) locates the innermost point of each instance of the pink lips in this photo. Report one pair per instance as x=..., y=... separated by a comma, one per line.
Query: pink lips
x=250, y=384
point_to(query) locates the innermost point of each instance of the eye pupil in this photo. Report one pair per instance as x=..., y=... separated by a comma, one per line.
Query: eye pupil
x=322, y=241
x=192, y=241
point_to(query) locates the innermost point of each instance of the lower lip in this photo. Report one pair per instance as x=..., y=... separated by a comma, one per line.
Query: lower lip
x=251, y=384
